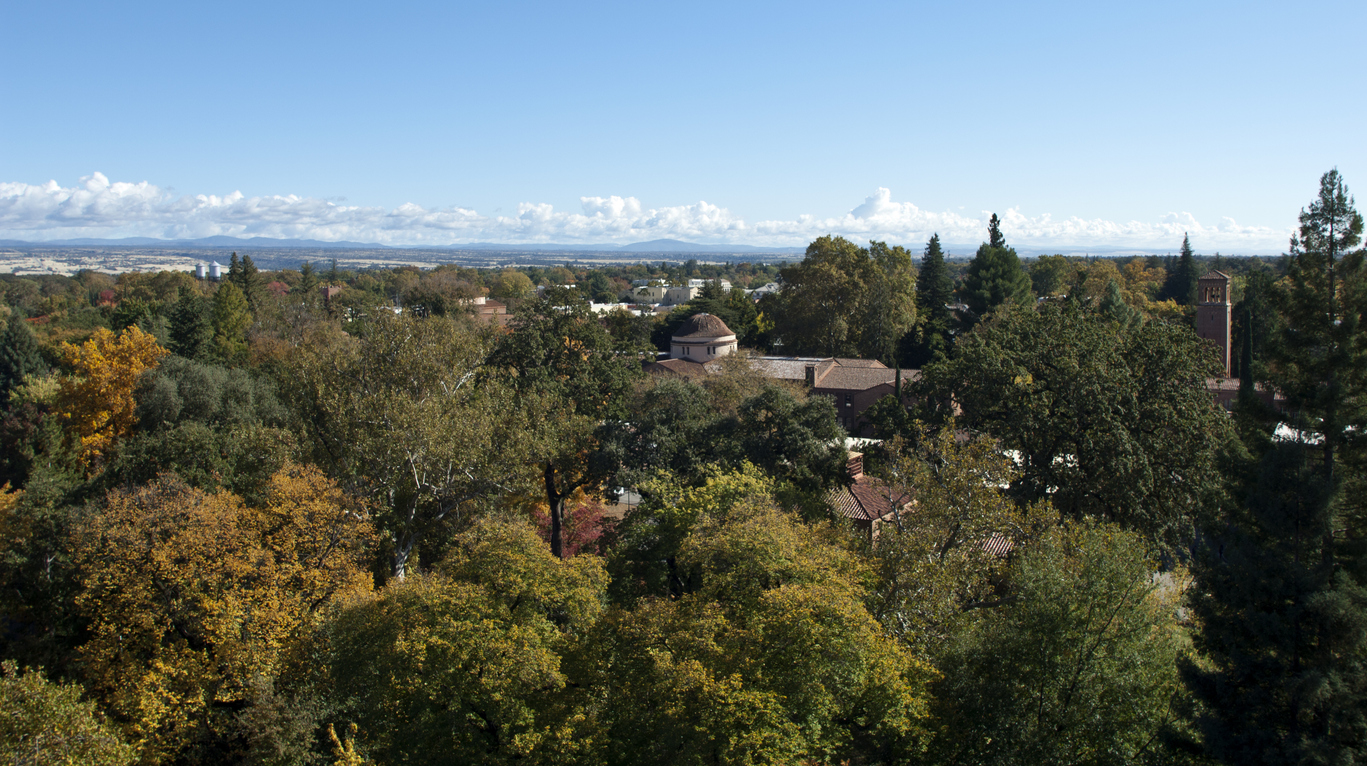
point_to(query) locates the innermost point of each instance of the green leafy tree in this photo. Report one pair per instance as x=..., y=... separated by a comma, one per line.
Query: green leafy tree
x=404, y=417
x=48, y=724
x=181, y=389
x=1050, y=275
x=889, y=302
x=844, y=300
x=995, y=277
x=939, y=562
x=570, y=376
x=1079, y=668
x=467, y=662
x=512, y=288
x=1107, y=422
x=770, y=656
x=129, y=312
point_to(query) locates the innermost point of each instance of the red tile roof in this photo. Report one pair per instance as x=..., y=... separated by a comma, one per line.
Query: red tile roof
x=865, y=500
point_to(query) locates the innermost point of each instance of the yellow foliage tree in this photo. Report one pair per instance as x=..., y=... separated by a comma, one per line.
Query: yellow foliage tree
x=193, y=597
x=96, y=400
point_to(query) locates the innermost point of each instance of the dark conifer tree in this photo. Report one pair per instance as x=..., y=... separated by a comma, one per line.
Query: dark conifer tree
x=1180, y=284
x=251, y=283
x=192, y=328
x=934, y=293
x=994, y=233
x=995, y=276
x=235, y=270
x=19, y=357
x=1281, y=601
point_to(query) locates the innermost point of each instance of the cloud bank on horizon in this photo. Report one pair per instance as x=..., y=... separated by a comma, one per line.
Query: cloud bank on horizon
x=98, y=207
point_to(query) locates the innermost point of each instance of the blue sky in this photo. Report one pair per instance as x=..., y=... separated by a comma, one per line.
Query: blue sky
x=1101, y=124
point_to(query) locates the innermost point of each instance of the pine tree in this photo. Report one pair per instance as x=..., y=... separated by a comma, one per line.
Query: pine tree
x=995, y=276
x=934, y=293
x=192, y=329
x=251, y=283
x=994, y=233
x=1180, y=284
x=1114, y=307
x=1320, y=354
x=231, y=320
x=235, y=270
x=19, y=357
x=1281, y=603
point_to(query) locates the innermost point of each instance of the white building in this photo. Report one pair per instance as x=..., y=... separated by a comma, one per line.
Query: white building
x=702, y=338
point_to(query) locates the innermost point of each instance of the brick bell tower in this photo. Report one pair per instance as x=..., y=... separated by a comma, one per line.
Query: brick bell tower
x=1213, y=313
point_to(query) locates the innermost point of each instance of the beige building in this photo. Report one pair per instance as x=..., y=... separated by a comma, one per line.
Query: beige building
x=702, y=338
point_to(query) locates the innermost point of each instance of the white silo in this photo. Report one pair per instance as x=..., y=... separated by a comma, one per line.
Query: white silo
x=199, y=270
x=215, y=271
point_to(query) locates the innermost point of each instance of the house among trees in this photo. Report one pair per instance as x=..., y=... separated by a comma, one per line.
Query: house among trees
x=490, y=311
x=868, y=502
x=852, y=385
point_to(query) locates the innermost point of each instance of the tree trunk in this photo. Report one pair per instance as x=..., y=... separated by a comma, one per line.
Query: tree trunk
x=555, y=504
x=403, y=549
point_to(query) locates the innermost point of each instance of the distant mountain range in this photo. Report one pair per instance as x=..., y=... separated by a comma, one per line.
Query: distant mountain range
x=219, y=241
x=654, y=246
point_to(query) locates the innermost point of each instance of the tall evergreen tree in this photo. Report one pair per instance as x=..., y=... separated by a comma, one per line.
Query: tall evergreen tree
x=192, y=329
x=1180, y=284
x=1114, y=307
x=994, y=233
x=19, y=357
x=251, y=283
x=231, y=320
x=235, y=270
x=308, y=278
x=1282, y=604
x=934, y=293
x=995, y=276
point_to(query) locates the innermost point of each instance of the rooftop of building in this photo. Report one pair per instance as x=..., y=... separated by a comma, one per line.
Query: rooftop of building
x=703, y=326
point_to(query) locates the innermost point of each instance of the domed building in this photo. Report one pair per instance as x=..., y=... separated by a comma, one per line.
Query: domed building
x=702, y=338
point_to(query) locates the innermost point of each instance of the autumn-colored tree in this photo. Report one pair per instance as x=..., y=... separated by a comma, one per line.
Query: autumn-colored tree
x=192, y=598
x=96, y=399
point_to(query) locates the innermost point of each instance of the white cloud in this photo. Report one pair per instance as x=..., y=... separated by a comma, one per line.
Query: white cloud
x=97, y=207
